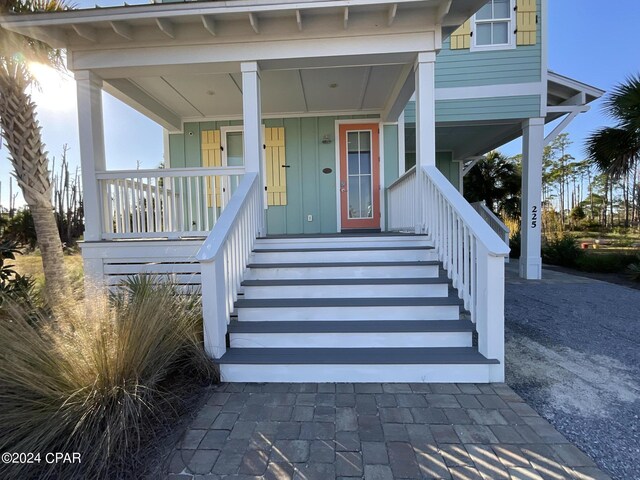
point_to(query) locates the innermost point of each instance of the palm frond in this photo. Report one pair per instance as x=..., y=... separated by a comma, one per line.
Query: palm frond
x=614, y=150
x=623, y=104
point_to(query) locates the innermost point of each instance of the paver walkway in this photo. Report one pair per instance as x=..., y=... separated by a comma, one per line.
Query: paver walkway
x=373, y=431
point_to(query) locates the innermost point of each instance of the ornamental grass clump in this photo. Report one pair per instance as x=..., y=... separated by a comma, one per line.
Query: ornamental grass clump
x=100, y=380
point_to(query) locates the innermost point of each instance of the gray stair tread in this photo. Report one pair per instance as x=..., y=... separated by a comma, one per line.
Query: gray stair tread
x=346, y=235
x=347, y=281
x=374, y=326
x=339, y=249
x=344, y=264
x=354, y=356
x=348, y=302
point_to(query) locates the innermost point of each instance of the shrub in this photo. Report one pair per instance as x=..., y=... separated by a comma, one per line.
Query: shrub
x=21, y=229
x=20, y=288
x=101, y=379
x=605, y=262
x=515, y=245
x=563, y=251
x=633, y=270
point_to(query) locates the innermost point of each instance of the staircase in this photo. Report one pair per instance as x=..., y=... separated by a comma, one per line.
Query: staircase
x=350, y=308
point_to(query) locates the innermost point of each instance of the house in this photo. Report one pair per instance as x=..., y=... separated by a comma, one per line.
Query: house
x=291, y=131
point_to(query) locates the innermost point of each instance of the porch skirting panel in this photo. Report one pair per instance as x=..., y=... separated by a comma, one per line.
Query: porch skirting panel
x=112, y=262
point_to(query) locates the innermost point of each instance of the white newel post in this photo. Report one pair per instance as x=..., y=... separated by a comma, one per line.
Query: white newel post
x=530, y=230
x=252, y=121
x=92, y=159
x=425, y=126
x=214, y=306
x=490, y=309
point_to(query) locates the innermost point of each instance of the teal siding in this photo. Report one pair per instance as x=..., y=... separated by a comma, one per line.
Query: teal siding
x=493, y=108
x=309, y=190
x=477, y=109
x=390, y=159
x=449, y=168
x=464, y=68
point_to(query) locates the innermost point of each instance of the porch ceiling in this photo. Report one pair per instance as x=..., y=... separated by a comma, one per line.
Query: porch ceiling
x=304, y=91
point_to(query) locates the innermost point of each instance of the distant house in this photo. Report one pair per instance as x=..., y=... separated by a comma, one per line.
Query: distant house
x=298, y=135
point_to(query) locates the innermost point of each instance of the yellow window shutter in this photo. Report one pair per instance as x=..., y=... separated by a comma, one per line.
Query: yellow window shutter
x=461, y=38
x=275, y=160
x=526, y=22
x=212, y=157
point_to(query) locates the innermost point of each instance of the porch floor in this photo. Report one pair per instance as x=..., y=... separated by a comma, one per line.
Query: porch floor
x=373, y=431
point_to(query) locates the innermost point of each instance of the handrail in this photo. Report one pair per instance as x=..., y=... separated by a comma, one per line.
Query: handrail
x=402, y=177
x=491, y=218
x=485, y=234
x=473, y=255
x=168, y=172
x=224, y=256
x=217, y=238
x=401, y=202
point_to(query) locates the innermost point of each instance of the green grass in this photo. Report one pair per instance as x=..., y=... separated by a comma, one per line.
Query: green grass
x=31, y=264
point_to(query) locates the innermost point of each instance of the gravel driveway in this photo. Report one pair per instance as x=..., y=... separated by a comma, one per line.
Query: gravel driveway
x=573, y=354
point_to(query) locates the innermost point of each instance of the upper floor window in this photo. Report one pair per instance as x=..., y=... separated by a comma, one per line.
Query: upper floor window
x=493, y=26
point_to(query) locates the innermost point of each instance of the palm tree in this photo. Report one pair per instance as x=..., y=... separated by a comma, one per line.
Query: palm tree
x=616, y=150
x=22, y=134
x=496, y=180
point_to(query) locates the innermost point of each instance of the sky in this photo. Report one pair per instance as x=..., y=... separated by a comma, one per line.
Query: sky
x=587, y=41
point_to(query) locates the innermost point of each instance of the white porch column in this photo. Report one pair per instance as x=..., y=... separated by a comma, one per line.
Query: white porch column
x=425, y=109
x=425, y=126
x=252, y=124
x=532, y=148
x=251, y=116
x=92, y=156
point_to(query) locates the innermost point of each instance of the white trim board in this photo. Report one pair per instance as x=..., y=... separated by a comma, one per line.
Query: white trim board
x=489, y=91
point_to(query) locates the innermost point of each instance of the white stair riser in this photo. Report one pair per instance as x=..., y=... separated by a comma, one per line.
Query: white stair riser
x=290, y=273
x=418, y=255
x=347, y=291
x=278, y=245
x=444, y=373
x=439, y=312
x=351, y=340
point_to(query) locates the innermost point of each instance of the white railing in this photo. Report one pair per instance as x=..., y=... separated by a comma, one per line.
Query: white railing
x=223, y=258
x=401, y=201
x=494, y=222
x=424, y=200
x=165, y=202
x=473, y=256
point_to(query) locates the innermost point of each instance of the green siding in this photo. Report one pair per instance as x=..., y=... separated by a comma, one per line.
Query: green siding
x=390, y=159
x=493, y=108
x=477, y=109
x=449, y=168
x=464, y=68
x=309, y=190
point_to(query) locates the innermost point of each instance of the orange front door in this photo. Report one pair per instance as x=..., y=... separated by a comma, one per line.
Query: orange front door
x=359, y=176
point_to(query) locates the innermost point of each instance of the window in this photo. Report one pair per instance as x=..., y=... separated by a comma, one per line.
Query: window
x=494, y=25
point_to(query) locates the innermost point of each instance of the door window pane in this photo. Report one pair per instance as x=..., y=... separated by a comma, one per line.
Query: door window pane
x=366, y=207
x=354, y=197
x=360, y=179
